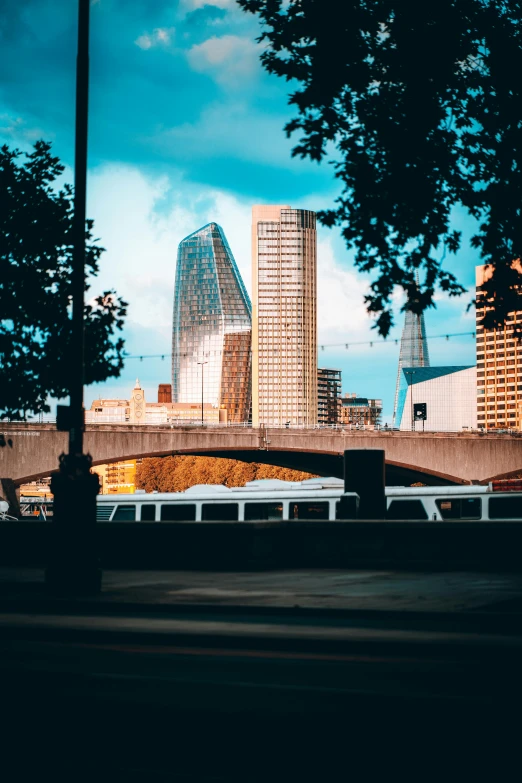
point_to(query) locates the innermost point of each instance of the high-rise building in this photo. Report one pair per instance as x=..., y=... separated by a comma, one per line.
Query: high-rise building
x=413, y=352
x=212, y=326
x=328, y=394
x=499, y=367
x=284, y=329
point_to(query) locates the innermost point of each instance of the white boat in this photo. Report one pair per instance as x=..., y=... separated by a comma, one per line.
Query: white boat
x=313, y=499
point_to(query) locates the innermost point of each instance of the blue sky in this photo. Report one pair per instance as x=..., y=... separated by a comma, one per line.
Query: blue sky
x=186, y=128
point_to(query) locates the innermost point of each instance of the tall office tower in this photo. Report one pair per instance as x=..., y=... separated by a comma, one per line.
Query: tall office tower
x=414, y=351
x=499, y=366
x=212, y=326
x=284, y=328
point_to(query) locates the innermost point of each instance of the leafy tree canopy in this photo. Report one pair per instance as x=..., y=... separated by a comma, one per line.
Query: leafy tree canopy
x=35, y=288
x=422, y=102
x=176, y=474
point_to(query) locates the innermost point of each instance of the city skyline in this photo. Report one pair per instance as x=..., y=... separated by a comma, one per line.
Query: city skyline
x=175, y=170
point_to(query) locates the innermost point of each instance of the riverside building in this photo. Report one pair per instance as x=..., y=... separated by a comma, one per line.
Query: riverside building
x=212, y=326
x=284, y=333
x=447, y=394
x=499, y=367
x=358, y=411
x=328, y=396
x=137, y=410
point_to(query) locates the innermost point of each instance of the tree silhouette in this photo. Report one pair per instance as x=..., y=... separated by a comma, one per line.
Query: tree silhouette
x=419, y=106
x=35, y=288
x=176, y=474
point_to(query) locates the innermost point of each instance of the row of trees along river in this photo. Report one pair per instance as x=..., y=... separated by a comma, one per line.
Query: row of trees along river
x=175, y=474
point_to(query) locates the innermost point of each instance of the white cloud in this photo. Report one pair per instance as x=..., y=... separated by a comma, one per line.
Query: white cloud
x=141, y=247
x=141, y=239
x=16, y=128
x=341, y=313
x=231, y=128
x=193, y=5
x=229, y=59
x=161, y=36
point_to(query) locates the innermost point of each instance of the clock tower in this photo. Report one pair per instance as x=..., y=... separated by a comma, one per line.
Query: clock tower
x=137, y=405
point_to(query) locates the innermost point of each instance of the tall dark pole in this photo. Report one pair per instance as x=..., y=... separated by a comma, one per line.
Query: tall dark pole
x=80, y=197
x=73, y=562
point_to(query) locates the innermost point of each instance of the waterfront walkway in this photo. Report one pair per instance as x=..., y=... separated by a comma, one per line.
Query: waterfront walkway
x=336, y=589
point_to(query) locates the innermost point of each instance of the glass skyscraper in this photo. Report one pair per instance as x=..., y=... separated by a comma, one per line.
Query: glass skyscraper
x=212, y=326
x=413, y=353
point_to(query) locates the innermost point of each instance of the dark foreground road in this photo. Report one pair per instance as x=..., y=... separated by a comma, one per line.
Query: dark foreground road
x=165, y=689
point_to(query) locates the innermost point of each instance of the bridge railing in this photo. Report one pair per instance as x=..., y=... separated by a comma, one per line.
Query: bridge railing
x=171, y=424
x=248, y=425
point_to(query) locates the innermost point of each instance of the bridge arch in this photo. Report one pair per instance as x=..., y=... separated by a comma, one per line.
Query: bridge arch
x=30, y=451
x=319, y=463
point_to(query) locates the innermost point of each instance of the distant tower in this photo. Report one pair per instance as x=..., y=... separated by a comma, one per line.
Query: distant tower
x=137, y=404
x=414, y=350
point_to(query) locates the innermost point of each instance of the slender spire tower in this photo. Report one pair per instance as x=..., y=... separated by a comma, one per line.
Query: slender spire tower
x=414, y=350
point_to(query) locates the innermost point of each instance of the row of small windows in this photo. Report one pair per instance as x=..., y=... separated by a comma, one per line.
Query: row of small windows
x=214, y=512
x=449, y=508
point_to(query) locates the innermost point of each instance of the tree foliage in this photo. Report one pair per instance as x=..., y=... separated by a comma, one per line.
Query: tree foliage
x=175, y=474
x=35, y=288
x=422, y=103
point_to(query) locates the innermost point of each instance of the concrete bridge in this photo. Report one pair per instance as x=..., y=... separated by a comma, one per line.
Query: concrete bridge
x=29, y=451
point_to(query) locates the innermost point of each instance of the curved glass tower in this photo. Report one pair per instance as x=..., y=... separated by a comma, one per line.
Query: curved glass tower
x=212, y=326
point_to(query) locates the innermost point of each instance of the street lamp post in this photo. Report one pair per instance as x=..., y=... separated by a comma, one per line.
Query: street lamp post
x=73, y=563
x=202, y=396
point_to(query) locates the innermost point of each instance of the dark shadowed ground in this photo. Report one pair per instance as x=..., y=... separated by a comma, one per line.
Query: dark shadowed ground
x=259, y=676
